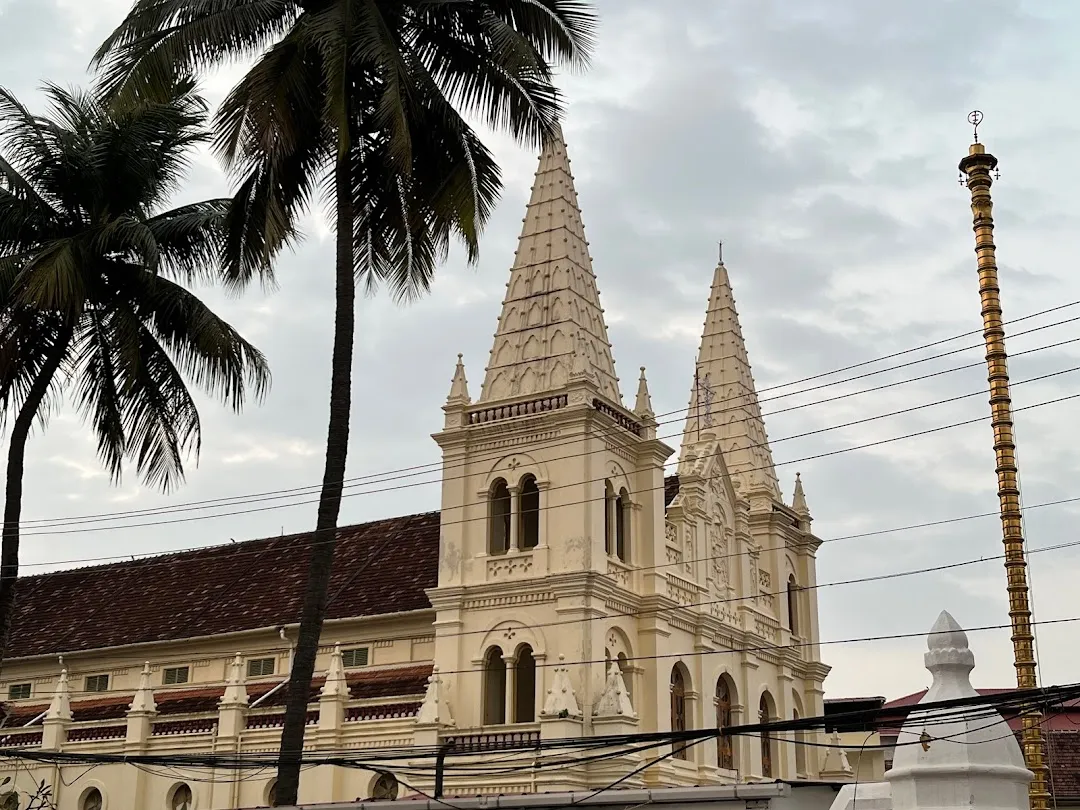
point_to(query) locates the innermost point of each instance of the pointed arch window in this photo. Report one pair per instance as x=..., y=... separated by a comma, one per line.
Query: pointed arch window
x=766, y=738
x=525, y=685
x=529, y=526
x=725, y=751
x=679, y=681
x=494, y=687
x=793, y=605
x=622, y=526
x=499, y=518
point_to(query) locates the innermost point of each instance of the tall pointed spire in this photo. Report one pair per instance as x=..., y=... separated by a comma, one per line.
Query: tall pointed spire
x=723, y=400
x=552, y=305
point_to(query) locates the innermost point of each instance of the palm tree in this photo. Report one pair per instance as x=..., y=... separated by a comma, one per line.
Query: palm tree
x=362, y=100
x=92, y=301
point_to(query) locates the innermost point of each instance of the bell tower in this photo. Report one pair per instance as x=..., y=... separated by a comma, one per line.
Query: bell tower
x=552, y=489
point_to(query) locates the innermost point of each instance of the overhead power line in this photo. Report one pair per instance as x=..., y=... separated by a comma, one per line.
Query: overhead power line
x=813, y=457
x=434, y=467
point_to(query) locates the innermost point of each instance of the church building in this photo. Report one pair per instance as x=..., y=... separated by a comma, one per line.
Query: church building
x=567, y=588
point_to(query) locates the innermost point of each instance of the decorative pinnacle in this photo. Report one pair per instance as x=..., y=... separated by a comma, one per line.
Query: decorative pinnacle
x=975, y=117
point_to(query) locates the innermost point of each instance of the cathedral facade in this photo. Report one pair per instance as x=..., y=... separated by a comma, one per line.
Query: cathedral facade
x=566, y=589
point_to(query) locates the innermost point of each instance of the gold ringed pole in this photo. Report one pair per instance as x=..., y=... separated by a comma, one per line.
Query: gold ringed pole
x=977, y=166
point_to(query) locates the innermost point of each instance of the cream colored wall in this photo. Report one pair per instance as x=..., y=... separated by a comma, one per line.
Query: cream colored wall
x=391, y=640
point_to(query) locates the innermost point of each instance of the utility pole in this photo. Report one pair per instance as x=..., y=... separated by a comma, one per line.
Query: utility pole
x=976, y=167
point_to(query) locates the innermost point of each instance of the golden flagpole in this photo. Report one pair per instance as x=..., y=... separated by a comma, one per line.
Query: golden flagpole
x=977, y=167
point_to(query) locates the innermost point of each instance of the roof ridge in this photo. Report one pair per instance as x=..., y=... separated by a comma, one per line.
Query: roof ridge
x=174, y=553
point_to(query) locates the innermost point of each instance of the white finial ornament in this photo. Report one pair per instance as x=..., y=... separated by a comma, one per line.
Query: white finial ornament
x=60, y=707
x=235, y=688
x=337, y=685
x=143, y=702
x=459, y=386
x=615, y=701
x=966, y=761
x=561, y=700
x=643, y=403
x=434, y=710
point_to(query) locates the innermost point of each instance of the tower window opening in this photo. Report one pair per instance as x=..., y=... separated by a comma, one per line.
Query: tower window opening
x=622, y=526
x=609, y=521
x=494, y=687
x=530, y=512
x=793, y=605
x=524, y=685
x=499, y=518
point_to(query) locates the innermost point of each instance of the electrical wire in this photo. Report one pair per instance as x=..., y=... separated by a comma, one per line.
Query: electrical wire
x=434, y=467
x=717, y=453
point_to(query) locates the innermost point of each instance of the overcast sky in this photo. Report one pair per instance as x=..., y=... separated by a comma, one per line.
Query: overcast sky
x=819, y=141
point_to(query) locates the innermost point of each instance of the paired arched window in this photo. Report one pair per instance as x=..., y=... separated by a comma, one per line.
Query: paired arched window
x=530, y=512
x=513, y=518
x=524, y=685
x=764, y=716
x=522, y=704
x=494, y=687
x=680, y=680
x=725, y=746
x=793, y=605
x=499, y=518
x=617, y=522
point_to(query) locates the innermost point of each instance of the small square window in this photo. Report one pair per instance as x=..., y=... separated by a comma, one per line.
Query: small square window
x=174, y=675
x=258, y=667
x=19, y=691
x=356, y=657
x=96, y=683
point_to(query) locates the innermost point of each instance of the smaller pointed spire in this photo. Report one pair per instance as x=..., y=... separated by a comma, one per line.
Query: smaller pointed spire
x=459, y=386
x=60, y=707
x=643, y=403
x=614, y=701
x=434, y=711
x=836, y=765
x=798, y=498
x=235, y=686
x=561, y=700
x=143, y=702
x=337, y=685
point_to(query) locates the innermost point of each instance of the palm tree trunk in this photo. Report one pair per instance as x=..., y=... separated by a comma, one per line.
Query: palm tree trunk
x=337, y=445
x=20, y=432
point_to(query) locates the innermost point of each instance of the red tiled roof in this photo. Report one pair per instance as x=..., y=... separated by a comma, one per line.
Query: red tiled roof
x=393, y=682
x=1063, y=753
x=1066, y=717
x=379, y=567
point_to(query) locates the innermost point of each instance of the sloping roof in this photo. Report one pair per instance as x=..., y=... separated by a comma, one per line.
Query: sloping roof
x=1064, y=717
x=379, y=567
x=1063, y=753
x=393, y=682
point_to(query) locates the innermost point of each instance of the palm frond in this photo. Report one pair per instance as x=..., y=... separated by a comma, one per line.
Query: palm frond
x=159, y=38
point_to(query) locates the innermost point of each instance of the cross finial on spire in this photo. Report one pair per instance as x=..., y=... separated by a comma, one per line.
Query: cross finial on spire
x=975, y=118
